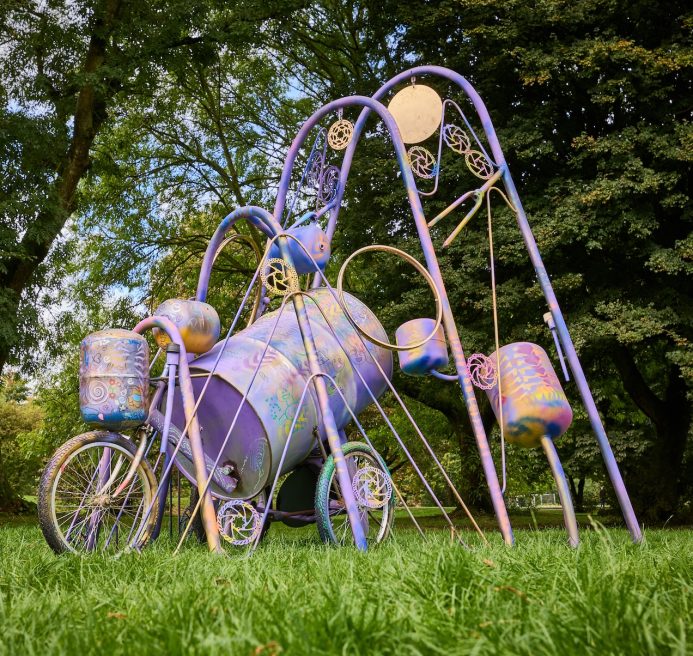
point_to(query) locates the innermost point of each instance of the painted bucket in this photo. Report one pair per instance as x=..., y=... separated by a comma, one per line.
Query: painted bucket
x=431, y=355
x=114, y=379
x=534, y=403
x=256, y=444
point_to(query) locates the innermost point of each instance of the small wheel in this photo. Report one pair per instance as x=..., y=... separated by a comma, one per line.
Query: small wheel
x=77, y=509
x=376, y=502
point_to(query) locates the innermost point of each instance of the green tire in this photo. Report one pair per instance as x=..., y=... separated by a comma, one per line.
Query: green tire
x=332, y=520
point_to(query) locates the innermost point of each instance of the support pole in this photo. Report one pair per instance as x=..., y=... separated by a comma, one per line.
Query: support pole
x=563, y=490
x=330, y=425
x=209, y=519
x=574, y=362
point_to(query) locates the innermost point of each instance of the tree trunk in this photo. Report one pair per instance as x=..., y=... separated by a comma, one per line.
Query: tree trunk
x=657, y=489
x=578, y=493
x=89, y=115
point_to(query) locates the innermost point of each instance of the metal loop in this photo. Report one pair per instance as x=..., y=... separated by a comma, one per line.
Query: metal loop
x=419, y=267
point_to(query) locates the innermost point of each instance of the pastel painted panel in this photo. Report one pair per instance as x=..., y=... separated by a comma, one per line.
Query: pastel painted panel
x=534, y=403
x=257, y=440
x=431, y=355
x=114, y=379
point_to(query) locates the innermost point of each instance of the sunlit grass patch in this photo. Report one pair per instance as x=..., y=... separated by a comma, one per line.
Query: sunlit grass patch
x=409, y=596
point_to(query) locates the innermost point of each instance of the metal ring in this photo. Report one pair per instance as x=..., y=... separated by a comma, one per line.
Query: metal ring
x=420, y=268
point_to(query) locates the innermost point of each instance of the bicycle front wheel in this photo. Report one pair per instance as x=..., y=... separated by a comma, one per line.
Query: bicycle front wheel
x=80, y=506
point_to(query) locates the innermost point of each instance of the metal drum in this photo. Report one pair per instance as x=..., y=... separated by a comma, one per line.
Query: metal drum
x=252, y=453
x=114, y=379
x=197, y=322
x=431, y=355
x=534, y=404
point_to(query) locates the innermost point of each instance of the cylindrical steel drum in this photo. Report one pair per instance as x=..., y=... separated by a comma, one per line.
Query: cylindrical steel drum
x=114, y=379
x=256, y=443
x=534, y=404
x=431, y=355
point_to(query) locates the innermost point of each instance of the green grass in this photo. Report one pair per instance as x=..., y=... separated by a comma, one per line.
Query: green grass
x=295, y=596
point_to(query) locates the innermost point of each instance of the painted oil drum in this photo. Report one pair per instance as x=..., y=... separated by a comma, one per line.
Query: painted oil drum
x=432, y=355
x=197, y=322
x=114, y=379
x=257, y=441
x=316, y=243
x=534, y=403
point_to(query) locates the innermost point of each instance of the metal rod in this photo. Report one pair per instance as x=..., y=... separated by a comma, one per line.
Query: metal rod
x=563, y=490
x=208, y=515
x=372, y=104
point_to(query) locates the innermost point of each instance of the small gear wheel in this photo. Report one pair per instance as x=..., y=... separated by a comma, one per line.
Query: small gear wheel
x=329, y=184
x=478, y=164
x=457, y=139
x=314, y=169
x=340, y=133
x=239, y=523
x=482, y=371
x=422, y=162
x=372, y=487
x=279, y=277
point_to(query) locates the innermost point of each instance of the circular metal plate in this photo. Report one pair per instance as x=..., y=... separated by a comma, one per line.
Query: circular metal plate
x=417, y=110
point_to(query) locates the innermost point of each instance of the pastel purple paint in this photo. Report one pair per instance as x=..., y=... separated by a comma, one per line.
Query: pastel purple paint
x=252, y=452
x=431, y=355
x=534, y=404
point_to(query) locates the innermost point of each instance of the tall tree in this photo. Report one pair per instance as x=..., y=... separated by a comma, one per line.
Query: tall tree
x=593, y=103
x=65, y=64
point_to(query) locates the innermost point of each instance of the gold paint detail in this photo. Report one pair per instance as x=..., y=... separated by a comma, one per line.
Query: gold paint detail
x=457, y=139
x=279, y=277
x=478, y=164
x=340, y=133
x=422, y=162
x=419, y=267
x=418, y=112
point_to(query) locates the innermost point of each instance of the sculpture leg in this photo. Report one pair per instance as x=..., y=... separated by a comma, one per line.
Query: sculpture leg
x=563, y=490
x=575, y=366
x=333, y=436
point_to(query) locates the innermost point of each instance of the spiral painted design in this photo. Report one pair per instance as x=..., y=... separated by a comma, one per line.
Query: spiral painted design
x=96, y=391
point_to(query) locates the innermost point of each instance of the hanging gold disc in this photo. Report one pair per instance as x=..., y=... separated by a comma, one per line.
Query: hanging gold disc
x=418, y=111
x=340, y=133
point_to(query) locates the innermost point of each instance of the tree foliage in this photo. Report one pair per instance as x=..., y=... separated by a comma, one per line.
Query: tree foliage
x=144, y=132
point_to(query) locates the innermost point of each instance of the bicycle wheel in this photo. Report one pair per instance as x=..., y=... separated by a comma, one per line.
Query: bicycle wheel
x=373, y=491
x=78, y=510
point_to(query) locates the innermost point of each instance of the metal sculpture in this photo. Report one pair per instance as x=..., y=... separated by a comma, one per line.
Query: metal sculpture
x=273, y=399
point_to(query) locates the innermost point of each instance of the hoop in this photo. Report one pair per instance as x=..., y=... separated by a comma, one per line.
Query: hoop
x=419, y=267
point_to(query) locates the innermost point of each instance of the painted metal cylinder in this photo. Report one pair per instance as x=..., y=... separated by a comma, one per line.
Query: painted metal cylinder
x=534, y=404
x=432, y=355
x=114, y=379
x=316, y=243
x=257, y=441
x=197, y=322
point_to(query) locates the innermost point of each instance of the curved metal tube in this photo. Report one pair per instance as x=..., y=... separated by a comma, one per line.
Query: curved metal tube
x=258, y=259
x=563, y=490
x=258, y=216
x=534, y=255
x=372, y=104
x=208, y=515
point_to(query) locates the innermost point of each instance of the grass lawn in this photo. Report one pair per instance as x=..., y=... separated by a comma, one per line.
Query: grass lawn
x=409, y=596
